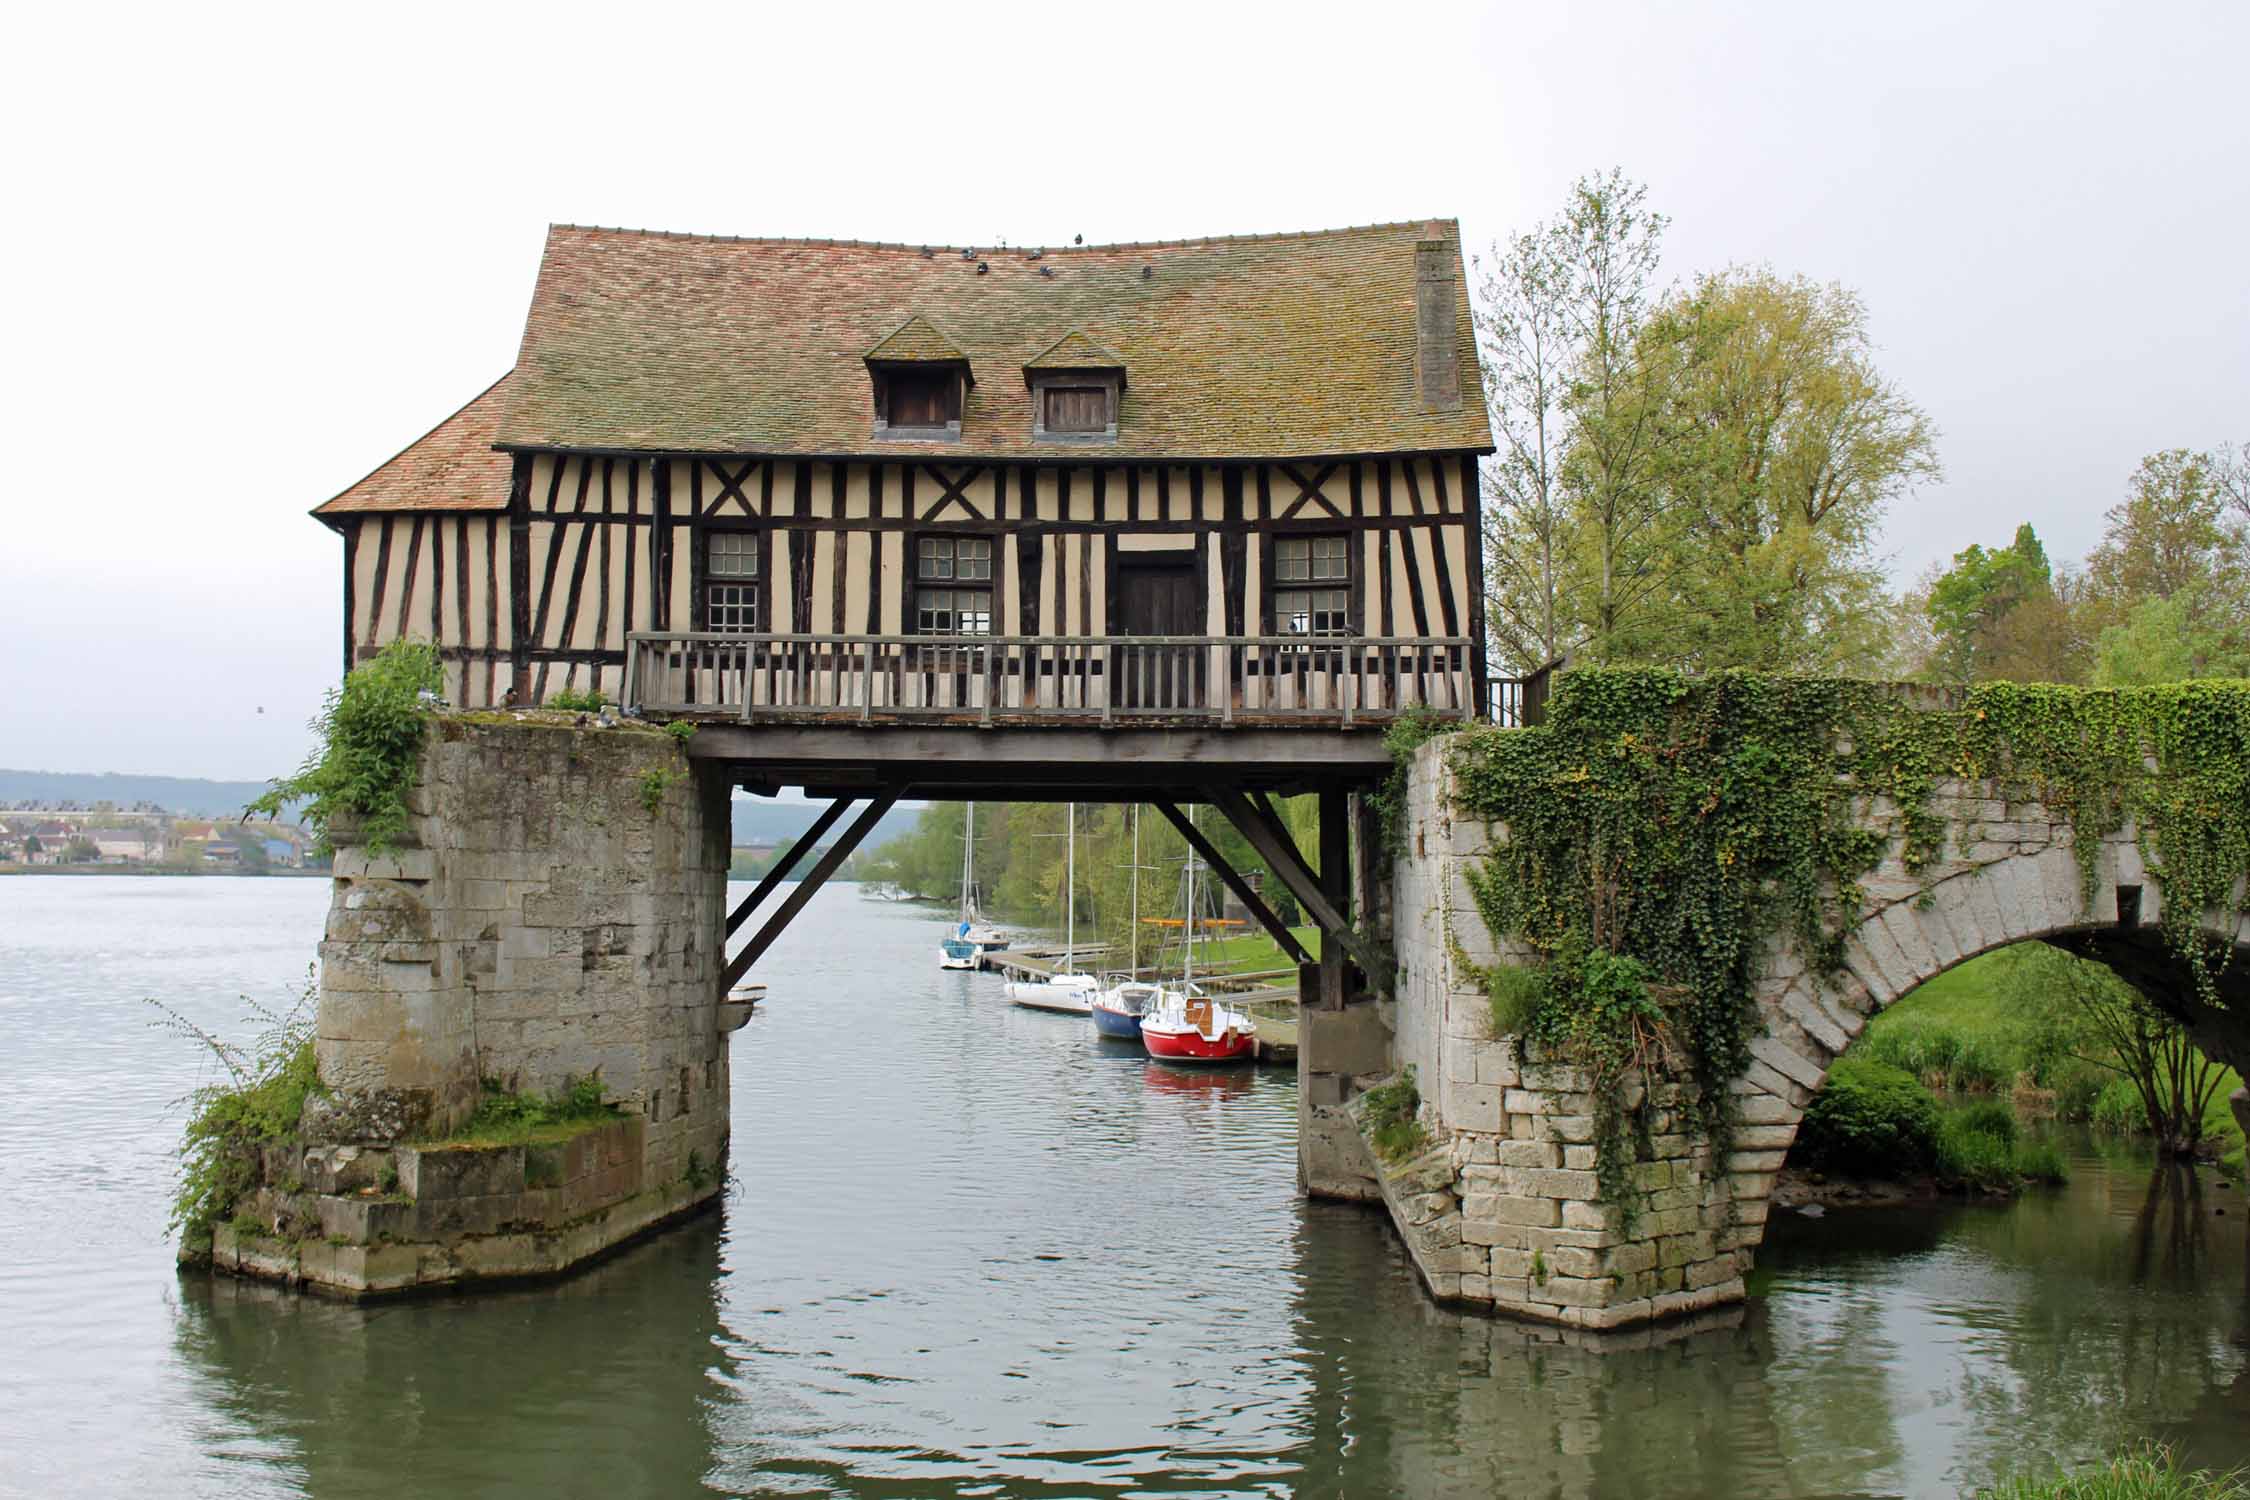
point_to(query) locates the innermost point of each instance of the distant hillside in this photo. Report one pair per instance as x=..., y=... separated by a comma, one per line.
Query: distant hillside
x=188, y=795
x=763, y=820
x=756, y=821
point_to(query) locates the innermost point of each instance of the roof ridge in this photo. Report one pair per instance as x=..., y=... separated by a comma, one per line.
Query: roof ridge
x=1024, y=250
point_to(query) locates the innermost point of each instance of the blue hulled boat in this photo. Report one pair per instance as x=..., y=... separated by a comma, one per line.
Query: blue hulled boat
x=1119, y=1009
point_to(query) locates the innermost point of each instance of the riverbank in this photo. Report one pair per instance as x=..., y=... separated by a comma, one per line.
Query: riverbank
x=145, y=873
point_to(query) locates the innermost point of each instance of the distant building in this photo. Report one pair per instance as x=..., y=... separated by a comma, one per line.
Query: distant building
x=282, y=854
x=130, y=845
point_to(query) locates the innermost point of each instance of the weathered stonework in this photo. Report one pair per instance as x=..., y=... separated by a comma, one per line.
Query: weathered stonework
x=539, y=925
x=1502, y=1210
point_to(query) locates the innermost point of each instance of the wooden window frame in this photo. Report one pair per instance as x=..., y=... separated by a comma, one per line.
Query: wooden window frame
x=951, y=381
x=1346, y=583
x=708, y=582
x=953, y=583
x=1110, y=382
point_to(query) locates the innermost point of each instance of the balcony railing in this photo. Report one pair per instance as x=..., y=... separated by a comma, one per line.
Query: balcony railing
x=1048, y=679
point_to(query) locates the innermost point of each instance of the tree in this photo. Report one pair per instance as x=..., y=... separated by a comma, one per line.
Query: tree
x=2004, y=614
x=1570, y=522
x=2174, y=639
x=1781, y=447
x=2173, y=530
x=2170, y=581
x=81, y=850
x=2093, y=1014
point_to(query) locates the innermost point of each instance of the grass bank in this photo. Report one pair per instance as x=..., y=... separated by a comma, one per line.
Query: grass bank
x=1962, y=1033
x=2151, y=1474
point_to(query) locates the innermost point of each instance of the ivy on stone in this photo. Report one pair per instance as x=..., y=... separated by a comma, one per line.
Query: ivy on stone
x=1662, y=830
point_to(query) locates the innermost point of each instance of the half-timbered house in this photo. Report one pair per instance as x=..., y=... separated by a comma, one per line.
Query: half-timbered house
x=1226, y=476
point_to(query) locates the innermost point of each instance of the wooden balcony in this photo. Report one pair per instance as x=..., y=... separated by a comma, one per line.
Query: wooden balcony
x=1219, y=681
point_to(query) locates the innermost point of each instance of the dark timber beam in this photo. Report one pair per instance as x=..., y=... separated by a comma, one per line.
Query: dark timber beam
x=807, y=888
x=1278, y=929
x=806, y=842
x=1279, y=851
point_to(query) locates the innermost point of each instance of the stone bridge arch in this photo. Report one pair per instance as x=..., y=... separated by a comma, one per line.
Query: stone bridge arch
x=1502, y=1210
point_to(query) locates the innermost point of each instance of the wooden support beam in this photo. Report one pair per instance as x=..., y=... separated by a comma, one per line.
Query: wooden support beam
x=1279, y=852
x=1209, y=854
x=806, y=842
x=1336, y=885
x=807, y=888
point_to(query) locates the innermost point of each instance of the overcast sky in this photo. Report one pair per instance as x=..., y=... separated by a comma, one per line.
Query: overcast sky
x=255, y=253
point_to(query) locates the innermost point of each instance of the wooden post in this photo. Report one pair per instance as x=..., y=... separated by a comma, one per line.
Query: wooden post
x=1335, y=881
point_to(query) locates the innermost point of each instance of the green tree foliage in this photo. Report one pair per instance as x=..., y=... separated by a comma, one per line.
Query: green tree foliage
x=2087, y=1011
x=1997, y=614
x=1693, y=477
x=367, y=740
x=1782, y=446
x=1020, y=862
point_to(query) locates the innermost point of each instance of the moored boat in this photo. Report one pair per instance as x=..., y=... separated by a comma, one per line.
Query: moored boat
x=958, y=950
x=1064, y=994
x=1119, y=1009
x=1195, y=1029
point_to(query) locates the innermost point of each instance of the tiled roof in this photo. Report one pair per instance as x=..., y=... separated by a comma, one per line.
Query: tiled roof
x=1287, y=345
x=915, y=341
x=1074, y=351
x=451, y=467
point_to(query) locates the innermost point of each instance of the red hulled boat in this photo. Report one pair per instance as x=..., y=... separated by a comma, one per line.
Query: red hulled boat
x=1193, y=1029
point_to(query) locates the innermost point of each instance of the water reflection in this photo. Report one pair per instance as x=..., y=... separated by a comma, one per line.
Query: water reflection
x=967, y=1251
x=599, y=1384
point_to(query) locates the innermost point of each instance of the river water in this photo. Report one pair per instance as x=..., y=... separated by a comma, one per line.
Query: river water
x=967, y=1251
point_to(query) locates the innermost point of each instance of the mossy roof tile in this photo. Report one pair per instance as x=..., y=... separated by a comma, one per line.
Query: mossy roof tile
x=451, y=467
x=916, y=341
x=1274, y=346
x=1074, y=351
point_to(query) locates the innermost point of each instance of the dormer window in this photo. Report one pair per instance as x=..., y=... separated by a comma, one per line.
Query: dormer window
x=919, y=378
x=1075, y=386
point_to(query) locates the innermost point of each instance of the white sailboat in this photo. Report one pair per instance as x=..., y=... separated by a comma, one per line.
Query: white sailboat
x=973, y=937
x=1066, y=990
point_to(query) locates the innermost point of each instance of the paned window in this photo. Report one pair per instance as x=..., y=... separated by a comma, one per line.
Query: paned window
x=1312, y=586
x=730, y=588
x=953, y=585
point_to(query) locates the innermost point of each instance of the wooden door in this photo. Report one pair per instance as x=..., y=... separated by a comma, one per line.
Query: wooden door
x=1158, y=597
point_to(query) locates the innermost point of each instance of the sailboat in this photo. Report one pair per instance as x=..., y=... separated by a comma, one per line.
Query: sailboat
x=966, y=945
x=1066, y=990
x=1118, y=1008
x=1188, y=1025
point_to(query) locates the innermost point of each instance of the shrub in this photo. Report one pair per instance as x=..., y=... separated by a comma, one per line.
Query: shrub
x=505, y=1118
x=1978, y=1147
x=259, y=1100
x=2077, y=1086
x=1393, y=1117
x=367, y=740
x=1871, y=1120
x=574, y=700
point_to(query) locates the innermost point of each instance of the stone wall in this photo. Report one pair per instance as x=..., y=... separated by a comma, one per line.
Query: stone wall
x=538, y=925
x=1502, y=1210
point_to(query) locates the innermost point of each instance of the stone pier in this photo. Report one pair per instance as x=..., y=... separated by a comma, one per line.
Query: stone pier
x=552, y=919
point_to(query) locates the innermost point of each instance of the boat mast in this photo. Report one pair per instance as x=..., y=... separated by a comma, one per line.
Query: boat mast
x=1187, y=964
x=1133, y=941
x=1070, y=888
x=968, y=864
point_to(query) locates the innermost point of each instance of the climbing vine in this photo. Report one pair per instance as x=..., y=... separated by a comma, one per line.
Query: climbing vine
x=1662, y=830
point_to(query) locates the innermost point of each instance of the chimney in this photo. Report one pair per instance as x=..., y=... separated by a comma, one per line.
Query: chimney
x=1437, y=360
